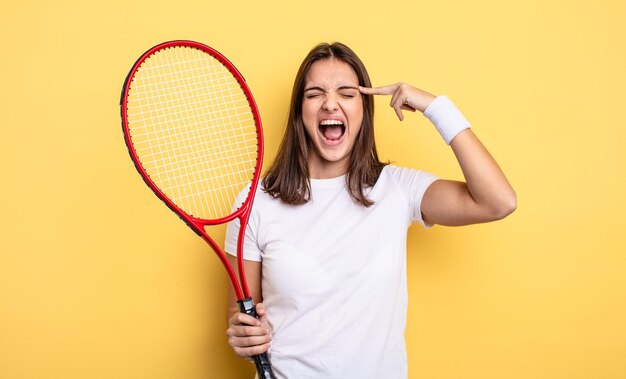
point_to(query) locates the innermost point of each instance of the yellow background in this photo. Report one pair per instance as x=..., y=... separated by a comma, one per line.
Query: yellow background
x=98, y=279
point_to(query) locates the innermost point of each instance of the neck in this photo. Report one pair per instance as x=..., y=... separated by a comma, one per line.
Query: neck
x=321, y=169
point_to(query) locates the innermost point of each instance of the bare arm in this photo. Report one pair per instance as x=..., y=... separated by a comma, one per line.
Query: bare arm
x=486, y=194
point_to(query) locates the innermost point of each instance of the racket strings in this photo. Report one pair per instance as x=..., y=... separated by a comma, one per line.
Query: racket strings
x=191, y=158
x=193, y=130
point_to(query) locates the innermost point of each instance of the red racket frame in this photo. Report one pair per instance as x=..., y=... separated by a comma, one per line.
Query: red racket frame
x=198, y=224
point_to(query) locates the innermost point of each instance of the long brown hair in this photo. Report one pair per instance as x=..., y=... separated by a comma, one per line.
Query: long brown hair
x=288, y=177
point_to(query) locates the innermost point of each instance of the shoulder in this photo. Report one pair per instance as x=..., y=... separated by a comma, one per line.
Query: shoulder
x=405, y=176
x=411, y=183
x=261, y=198
x=264, y=200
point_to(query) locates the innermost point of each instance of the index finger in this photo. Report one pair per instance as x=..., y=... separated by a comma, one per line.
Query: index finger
x=384, y=90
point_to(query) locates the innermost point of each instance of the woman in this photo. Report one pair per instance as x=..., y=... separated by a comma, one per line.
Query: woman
x=326, y=242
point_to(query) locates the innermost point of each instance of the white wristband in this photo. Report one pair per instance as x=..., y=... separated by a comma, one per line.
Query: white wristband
x=446, y=117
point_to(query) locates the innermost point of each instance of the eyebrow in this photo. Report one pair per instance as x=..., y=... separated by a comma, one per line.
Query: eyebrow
x=316, y=88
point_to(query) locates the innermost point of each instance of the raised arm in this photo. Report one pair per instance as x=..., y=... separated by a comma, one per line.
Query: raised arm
x=486, y=194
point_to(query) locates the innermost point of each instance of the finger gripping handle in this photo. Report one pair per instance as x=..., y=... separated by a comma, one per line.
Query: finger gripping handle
x=261, y=361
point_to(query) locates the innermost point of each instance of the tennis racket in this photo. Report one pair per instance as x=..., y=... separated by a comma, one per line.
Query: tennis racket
x=193, y=130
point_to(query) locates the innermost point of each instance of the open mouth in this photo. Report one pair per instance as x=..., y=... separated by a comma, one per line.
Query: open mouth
x=332, y=130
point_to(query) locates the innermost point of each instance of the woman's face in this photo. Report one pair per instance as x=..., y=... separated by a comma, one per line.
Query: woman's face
x=332, y=112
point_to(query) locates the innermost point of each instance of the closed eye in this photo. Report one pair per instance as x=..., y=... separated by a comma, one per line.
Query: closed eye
x=313, y=95
x=346, y=92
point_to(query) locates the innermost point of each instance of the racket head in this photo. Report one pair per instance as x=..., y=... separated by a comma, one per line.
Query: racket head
x=193, y=130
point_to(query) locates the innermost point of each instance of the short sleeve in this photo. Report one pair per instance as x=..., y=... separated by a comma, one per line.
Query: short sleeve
x=413, y=184
x=251, y=250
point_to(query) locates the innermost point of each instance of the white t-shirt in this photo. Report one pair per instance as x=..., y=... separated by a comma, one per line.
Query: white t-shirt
x=334, y=276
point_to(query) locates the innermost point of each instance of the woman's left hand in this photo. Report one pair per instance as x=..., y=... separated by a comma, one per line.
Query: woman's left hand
x=403, y=97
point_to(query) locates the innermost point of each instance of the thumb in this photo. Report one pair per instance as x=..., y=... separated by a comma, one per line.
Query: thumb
x=260, y=310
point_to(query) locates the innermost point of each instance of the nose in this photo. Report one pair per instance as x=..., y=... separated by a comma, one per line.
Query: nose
x=330, y=102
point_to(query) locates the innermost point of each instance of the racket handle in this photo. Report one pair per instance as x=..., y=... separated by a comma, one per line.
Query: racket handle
x=261, y=361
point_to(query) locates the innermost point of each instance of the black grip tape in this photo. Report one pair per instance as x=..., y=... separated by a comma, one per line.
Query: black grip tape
x=261, y=361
